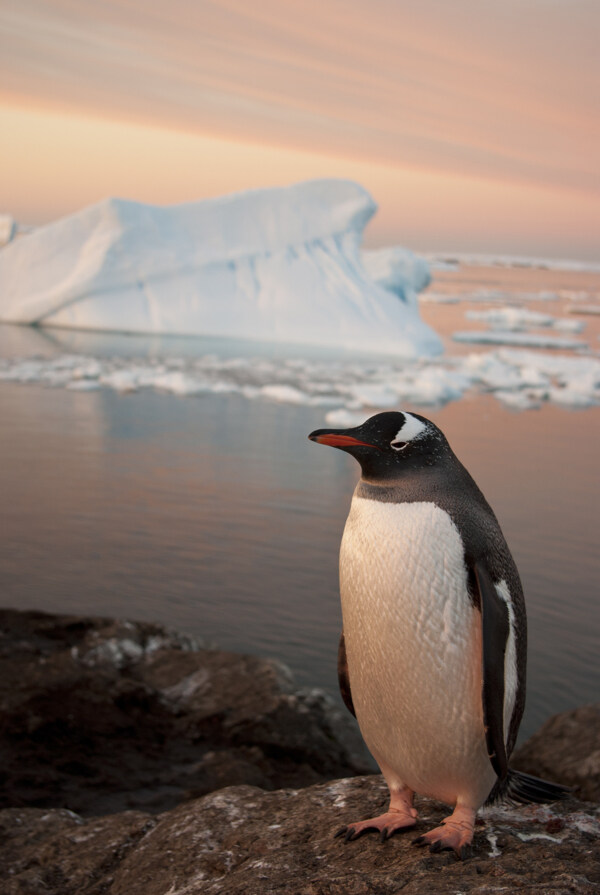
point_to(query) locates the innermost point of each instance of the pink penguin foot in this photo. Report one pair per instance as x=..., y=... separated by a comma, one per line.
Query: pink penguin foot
x=393, y=821
x=456, y=833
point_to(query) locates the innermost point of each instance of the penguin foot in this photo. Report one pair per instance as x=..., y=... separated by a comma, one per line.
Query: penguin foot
x=393, y=821
x=456, y=833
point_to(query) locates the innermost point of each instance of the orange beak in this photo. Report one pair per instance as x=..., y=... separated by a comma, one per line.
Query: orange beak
x=339, y=440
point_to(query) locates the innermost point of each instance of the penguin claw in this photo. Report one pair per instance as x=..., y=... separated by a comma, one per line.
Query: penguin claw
x=447, y=837
x=386, y=825
x=354, y=833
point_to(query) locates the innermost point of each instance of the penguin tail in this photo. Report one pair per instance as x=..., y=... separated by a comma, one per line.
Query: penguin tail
x=524, y=788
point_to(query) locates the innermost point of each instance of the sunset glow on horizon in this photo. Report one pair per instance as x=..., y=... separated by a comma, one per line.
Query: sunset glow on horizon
x=475, y=129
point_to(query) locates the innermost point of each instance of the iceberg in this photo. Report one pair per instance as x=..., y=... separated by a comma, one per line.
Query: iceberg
x=398, y=270
x=280, y=264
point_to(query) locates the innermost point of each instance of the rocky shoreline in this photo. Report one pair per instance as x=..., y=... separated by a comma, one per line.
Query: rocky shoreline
x=137, y=760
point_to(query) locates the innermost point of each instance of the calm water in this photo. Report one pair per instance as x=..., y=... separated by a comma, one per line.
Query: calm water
x=215, y=515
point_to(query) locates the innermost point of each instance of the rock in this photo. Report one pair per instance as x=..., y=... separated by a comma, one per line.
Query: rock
x=101, y=716
x=566, y=749
x=105, y=716
x=245, y=841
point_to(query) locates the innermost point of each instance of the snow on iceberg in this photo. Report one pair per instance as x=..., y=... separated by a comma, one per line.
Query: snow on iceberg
x=398, y=270
x=279, y=264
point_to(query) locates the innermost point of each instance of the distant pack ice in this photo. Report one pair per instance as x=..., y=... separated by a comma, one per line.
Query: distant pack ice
x=281, y=264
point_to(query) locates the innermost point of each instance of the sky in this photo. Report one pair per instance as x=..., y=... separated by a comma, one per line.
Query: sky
x=475, y=124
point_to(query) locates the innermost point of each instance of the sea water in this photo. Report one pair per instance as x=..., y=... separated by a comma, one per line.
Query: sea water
x=211, y=512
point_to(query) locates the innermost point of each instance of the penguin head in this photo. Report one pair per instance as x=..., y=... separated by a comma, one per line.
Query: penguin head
x=389, y=444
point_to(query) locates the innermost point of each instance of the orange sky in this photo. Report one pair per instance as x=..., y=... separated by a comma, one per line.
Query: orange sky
x=475, y=125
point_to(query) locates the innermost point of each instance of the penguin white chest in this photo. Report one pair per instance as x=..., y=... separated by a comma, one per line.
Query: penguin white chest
x=413, y=641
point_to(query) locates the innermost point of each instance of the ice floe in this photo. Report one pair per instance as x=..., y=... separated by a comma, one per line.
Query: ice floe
x=279, y=264
x=347, y=391
x=439, y=298
x=524, y=340
x=484, y=260
x=494, y=296
x=592, y=310
x=516, y=319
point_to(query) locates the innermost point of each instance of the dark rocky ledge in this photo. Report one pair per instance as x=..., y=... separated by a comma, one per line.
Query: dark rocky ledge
x=99, y=716
x=136, y=762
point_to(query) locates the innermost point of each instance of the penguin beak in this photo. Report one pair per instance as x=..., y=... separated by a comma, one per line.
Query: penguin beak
x=337, y=439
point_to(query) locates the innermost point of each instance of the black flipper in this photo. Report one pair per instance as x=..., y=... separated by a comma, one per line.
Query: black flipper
x=343, y=677
x=495, y=626
x=511, y=785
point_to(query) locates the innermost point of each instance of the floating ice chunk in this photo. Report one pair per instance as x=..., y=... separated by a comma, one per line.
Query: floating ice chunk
x=477, y=260
x=520, y=400
x=494, y=296
x=345, y=419
x=88, y=368
x=542, y=295
x=372, y=395
x=285, y=394
x=487, y=295
x=576, y=295
x=431, y=386
x=440, y=264
x=572, y=397
x=584, y=309
x=83, y=385
x=529, y=340
x=439, y=298
x=552, y=364
x=179, y=383
x=331, y=400
x=514, y=319
x=120, y=380
x=23, y=371
x=492, y=372
x=280, y=264
x=520, y=379
x=568, y=326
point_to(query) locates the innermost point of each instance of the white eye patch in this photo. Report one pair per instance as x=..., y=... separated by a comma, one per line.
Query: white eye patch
x=411, y=430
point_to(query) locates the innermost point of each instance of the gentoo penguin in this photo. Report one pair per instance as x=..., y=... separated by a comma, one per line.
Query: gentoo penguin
x=433, y=648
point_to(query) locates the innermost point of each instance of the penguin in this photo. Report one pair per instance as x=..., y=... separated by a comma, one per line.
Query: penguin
x=432, y=656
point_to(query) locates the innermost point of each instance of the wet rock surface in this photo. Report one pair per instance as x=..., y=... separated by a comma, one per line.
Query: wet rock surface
x=245, y=841
x=566, y=748
x=99, y=716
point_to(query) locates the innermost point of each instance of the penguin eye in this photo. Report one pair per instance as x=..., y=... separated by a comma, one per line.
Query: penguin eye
x=399, y=445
